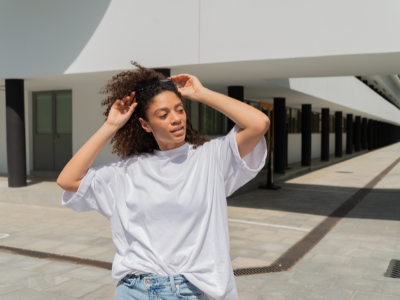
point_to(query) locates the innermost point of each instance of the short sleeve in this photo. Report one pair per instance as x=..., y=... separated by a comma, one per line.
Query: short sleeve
x=238, y=171
x=96, y=191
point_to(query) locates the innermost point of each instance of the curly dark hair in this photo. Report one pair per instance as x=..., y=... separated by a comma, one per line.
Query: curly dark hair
x=131, y=138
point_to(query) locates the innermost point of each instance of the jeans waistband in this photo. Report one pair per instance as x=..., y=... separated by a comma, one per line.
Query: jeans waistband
x=172, y=278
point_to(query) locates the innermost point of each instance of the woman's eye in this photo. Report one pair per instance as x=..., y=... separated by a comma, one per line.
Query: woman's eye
x=163, y=116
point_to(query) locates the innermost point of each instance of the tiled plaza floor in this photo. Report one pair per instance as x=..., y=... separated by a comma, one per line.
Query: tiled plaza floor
x=348, y=263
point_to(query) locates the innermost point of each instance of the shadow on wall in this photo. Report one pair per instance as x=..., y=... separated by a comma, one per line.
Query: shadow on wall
x=45, y=37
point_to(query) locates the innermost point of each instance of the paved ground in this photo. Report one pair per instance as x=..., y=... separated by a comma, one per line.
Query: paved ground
x=28, y=278
x=348, y=263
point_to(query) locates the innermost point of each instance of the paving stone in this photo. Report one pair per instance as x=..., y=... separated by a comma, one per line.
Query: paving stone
x=330, y=259
x=86, y=273
x=331, y=270
x=391, y=288
x=351, y=272
x=354, y=252
x=248, y=283
x=27, y=294
x=308, y=267
x=5, y=289
x=107, y=280
x=251, y=296
x=370, y=296
x=285, y=288
x=321, y=293
x=24, y=262
x=359, y=284
x=371, y=263
x=55, y=268
x=103, y=293
x=313, y=279
x=73, y=288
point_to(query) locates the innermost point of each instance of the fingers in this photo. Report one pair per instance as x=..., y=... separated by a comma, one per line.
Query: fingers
x=132, y=108
x=132, y=98
x=126, y=101
x=181, y=78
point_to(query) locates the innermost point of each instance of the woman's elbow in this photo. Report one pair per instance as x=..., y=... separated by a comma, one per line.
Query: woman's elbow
x=263, y=124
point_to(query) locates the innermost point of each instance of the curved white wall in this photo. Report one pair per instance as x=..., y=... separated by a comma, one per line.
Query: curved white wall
x=348, y=92
x=253, y=29
x=57, y=37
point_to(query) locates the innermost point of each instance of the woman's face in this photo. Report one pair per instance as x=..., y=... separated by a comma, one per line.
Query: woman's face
x=166, y=120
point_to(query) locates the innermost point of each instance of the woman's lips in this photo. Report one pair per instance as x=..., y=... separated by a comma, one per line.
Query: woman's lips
x=178, y=132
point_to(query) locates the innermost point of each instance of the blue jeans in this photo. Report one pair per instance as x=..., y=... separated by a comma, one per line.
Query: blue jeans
x=152, y=287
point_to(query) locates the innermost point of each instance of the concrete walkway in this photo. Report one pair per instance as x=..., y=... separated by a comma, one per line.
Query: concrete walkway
x=348, y=263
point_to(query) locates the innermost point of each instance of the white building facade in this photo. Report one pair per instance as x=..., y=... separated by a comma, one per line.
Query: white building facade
x=340, y=56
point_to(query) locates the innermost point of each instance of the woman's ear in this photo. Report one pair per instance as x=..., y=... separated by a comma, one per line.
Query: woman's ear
x=144, y=124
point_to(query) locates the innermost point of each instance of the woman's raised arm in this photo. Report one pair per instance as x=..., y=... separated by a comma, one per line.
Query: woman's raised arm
x=253, y=123
x=71, y=176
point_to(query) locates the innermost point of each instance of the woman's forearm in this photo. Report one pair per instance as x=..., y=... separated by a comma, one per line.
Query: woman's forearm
x=73, y=172
x=244, y=115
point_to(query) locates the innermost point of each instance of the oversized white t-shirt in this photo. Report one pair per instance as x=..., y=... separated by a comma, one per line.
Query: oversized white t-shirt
x=168, y=210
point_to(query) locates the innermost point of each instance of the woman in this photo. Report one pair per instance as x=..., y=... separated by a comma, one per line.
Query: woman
x=165, y=197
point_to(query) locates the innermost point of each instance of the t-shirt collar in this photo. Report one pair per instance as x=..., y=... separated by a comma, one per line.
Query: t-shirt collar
x=171, y=152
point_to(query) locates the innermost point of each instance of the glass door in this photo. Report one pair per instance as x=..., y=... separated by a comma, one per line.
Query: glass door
x=52, y=130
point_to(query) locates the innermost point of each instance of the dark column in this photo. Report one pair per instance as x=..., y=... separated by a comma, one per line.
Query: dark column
x=306, y=135
x=364, y=134
x=236, y=92
x=280, y=135
x=370, y=134
x=357, y=134
x=376, y=134
x=15, y=123
x=387, y=132
x=349, y=134
x=165, y=72
x=379, y=134
x=325, y=134
x=338, y=133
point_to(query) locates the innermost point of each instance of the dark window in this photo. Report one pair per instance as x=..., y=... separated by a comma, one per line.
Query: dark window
x=344, y=125
x=293, y=119
x=205, y=119
x=315, y=122
x=332, y=123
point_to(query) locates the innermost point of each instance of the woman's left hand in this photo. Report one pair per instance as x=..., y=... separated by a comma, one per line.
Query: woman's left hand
x=191, y=89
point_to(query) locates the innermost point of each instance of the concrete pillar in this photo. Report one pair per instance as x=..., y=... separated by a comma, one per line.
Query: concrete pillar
x=370, y=134
x=280, y=135
x=357, y=134
x=325, y=128
x=236, y=92
x=364, y=134
x=306, y=135
x=349, y=135
x=15, y=123
x=338, y=133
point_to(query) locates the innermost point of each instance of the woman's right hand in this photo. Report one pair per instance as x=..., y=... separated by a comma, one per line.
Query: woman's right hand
x=121, y=111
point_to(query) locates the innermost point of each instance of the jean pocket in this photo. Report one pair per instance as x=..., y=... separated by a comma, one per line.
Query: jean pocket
x=187, y=290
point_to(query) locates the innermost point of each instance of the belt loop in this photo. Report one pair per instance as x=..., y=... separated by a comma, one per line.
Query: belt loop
x=171, y=279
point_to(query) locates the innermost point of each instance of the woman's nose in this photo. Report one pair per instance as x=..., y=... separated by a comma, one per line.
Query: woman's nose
x=175, y=117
